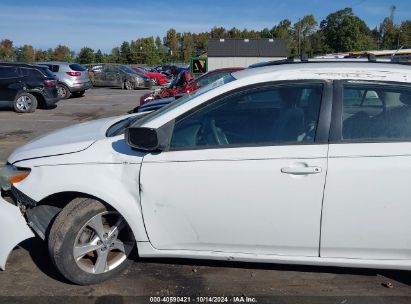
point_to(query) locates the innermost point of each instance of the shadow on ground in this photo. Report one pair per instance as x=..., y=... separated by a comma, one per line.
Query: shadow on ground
x=39, y=253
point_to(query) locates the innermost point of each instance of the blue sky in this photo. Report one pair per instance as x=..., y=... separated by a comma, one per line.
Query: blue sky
x=105, y=24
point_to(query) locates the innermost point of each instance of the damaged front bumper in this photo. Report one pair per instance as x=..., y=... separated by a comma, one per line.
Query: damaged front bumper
x=13, y=230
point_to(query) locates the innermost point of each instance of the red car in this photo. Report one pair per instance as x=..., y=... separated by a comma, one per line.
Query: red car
x=185, y=83
x=155, y=77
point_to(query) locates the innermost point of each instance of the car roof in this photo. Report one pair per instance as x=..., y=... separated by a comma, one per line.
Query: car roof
x=353, y=70
x=23, y=65
x=55, y=62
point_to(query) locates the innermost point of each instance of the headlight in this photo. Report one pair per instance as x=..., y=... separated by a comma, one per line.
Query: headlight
x=10, y=175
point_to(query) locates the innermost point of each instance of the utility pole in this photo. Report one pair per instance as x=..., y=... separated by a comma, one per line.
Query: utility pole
x=299, y=36
x=392, y=13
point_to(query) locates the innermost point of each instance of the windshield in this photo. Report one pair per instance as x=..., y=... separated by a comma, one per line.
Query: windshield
x=178, y=102
x=120, y=127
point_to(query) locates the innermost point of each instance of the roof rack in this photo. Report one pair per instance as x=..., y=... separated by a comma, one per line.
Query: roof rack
x=304, y=59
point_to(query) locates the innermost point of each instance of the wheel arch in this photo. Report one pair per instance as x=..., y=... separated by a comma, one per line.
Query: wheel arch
x=39, y=96
x=42, y=216
x=67, y=86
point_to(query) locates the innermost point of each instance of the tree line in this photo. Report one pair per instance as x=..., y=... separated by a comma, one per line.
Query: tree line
x=340, y=31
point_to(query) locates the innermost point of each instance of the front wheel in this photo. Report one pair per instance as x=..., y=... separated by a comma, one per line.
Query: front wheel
x=90, y=243
x=128, y=85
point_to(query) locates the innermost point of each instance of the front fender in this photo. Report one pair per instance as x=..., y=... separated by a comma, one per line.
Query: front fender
x=13, y=230
x=117, y=184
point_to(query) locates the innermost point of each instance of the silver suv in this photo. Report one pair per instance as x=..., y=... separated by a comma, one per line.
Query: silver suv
x=73, y=78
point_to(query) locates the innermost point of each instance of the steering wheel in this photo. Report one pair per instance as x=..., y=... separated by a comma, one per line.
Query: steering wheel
x=219, y=136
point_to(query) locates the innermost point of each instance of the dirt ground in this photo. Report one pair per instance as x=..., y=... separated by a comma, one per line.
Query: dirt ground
x=30, y=276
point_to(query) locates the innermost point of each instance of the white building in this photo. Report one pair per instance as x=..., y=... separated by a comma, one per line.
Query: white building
x=226, y=53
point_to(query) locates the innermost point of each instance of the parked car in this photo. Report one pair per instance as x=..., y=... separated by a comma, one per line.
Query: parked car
x=25, y=86
x=155, y=77
x=271, y=164
x=73, y=79
x=185, y=83
x=117, y=75
x=172, y=70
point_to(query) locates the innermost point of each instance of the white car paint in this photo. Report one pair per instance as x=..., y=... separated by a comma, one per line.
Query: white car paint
x=64, y=141
x=197, y=209
x=16, y=231
x=366, y=202
x=175, y=210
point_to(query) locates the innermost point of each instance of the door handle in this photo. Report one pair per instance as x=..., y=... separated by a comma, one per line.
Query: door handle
x=301, y=170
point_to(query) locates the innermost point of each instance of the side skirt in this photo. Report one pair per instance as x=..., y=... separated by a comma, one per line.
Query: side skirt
x=146, y=250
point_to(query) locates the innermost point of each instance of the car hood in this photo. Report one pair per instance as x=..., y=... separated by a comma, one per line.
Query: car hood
x=64, y=141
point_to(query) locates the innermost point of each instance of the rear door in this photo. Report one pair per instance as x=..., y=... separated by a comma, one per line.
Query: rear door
x=367, y=201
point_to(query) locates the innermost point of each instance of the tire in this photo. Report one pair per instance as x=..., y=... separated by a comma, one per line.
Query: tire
x=128, y=85
x=80, y=223
x=25, y=103
x=79, y=93
x=63, y=91
x=154, y=81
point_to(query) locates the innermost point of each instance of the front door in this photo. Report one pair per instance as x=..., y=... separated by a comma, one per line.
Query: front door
x=367, y=201
x=245, y=173
x=9, y=85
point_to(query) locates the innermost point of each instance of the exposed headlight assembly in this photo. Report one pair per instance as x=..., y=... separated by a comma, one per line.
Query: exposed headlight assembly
x=10, y=175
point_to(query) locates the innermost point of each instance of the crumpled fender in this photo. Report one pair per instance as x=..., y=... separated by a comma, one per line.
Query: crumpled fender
x=13, y=230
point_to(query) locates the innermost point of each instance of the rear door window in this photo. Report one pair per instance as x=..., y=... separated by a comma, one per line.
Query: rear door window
x=77, y=67
x=34, y=73
x=55, y=68
x=376, y=112
x=8, y=72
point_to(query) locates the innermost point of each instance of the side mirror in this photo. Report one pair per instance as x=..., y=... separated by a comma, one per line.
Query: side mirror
x=145, y=139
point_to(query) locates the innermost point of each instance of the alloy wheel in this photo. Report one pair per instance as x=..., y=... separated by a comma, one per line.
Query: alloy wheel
x=61, y=91
x=23, y=103
x=101, y=244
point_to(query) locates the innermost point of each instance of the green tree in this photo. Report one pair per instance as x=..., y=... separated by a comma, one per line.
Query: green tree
x=171, y=43
x=86, y=55
x=26, y=53
x=389, y=35
x=304, y=28
x=63, y=53
x=345, y=32
x=7, y=52
x=125, y=53
x=158, y=42
x=231, y=33
x=266, y=33
x=99, y=57
x=317, y=44
x=188, y=47
x=218, y=32
x=114, y=56
x=405, y=34
x=284, y=30
x=41, y=55
x=49, y=55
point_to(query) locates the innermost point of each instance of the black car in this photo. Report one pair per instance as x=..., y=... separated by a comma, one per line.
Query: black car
x=25, y=86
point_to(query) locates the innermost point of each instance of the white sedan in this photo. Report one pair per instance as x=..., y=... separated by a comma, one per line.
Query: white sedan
x=304, y=163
